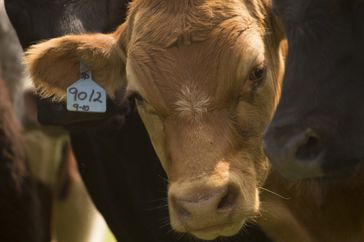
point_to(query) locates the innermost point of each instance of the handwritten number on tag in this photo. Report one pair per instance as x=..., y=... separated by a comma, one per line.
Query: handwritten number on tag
x=84, y=108
x=92, y=95
x=85, y=95
x=81, y=96
x=98, y=98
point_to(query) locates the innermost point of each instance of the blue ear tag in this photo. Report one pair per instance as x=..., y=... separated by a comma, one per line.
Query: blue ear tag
x=86, y=95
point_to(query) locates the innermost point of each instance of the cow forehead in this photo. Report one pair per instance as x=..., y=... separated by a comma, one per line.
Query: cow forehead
x=165, y=23
x=186, y=53
x=197, y=76
x=183, y=75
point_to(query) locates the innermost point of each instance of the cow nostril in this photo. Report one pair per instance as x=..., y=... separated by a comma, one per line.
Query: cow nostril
x=181, y=211
x=228, y=200
x=310, y=148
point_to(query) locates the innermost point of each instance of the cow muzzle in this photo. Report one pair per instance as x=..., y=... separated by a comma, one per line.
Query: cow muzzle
x=298, y=155
x=208, y=209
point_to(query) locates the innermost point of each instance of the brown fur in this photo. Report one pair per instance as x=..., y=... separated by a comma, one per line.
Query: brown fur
x=12, y=146
x=313, y=211
x=53, y=69
x=204, y=121
x=19, y=207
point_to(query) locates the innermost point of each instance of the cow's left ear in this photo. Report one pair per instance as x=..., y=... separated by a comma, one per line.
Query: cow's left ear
x=54, y=65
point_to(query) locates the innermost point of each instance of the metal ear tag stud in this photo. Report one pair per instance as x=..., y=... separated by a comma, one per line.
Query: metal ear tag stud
x=86, y=95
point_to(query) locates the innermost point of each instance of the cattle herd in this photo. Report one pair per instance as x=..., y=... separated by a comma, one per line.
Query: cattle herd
x=226, y=120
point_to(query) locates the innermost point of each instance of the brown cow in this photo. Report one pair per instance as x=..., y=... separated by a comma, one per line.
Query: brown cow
x=314, y=210
x=205, y=74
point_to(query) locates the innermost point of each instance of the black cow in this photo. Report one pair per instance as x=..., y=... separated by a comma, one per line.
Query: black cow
x=115, y=157
x=35, y=20
x=318, y=127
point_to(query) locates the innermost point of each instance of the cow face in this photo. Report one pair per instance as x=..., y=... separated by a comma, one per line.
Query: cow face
x=205, y=78
x=318, y=127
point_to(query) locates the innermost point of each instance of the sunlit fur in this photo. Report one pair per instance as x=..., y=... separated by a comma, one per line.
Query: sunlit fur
x=54, y=65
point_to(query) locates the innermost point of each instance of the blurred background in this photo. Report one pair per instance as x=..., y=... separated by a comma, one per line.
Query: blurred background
x=64, y=208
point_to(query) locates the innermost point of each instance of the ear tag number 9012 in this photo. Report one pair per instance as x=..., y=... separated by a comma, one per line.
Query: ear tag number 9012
x=86, y=95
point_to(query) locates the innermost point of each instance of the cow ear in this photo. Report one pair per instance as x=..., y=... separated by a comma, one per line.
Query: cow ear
x=54, y=65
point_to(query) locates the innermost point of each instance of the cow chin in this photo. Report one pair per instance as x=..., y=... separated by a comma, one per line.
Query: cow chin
x=212, y=206
x=221, y=231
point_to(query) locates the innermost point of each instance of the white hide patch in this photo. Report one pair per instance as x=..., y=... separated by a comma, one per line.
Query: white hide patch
x=192, y=104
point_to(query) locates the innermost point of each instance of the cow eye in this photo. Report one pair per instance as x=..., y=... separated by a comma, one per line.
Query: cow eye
x=257, y=76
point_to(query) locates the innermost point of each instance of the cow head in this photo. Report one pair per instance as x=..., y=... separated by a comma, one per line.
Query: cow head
x=318, y=127
x=205, y=76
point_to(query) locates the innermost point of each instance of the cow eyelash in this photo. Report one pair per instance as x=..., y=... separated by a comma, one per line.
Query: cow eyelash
x=257, y=76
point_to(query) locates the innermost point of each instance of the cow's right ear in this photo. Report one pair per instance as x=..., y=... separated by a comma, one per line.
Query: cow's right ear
x=54, y=65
